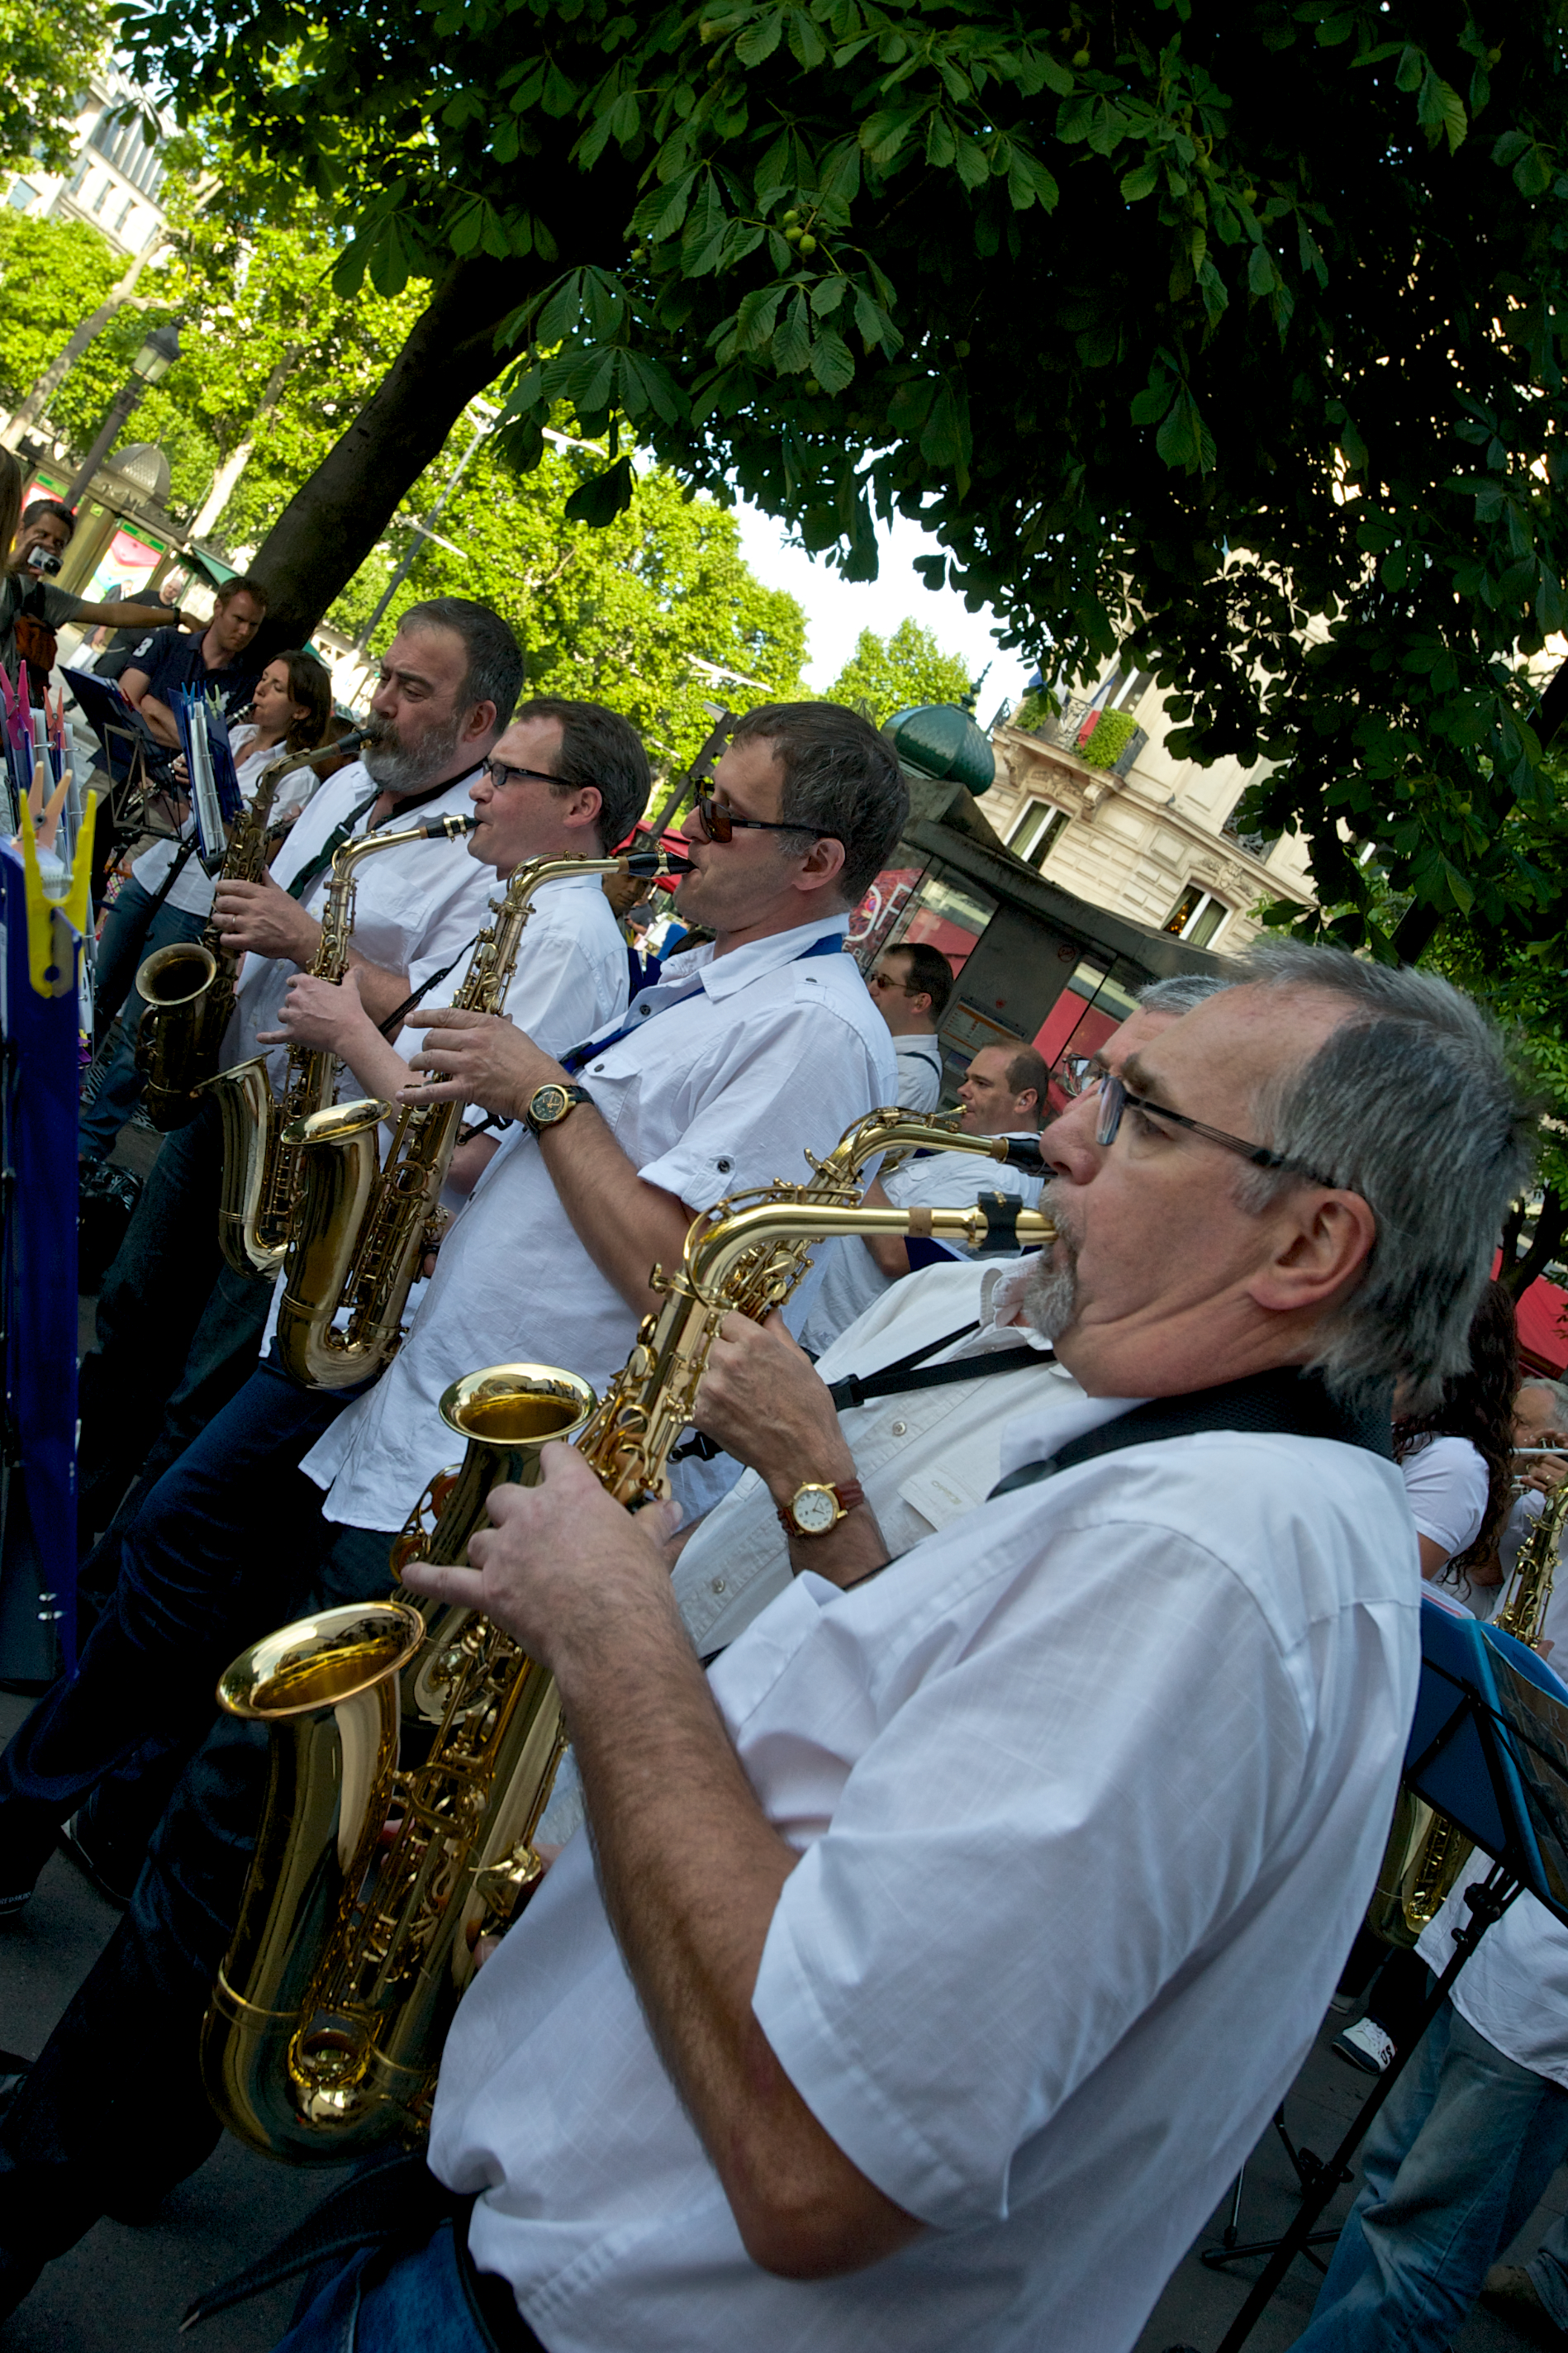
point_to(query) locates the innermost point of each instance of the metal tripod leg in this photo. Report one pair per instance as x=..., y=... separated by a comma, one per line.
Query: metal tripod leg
x=1307, y=2168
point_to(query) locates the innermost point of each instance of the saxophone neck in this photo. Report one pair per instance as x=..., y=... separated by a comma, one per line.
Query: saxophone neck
x=713, y=1250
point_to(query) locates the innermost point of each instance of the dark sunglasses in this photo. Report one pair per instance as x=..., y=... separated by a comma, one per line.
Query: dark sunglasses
x=1114, y=1100
x=716, y=821
x=496, y=773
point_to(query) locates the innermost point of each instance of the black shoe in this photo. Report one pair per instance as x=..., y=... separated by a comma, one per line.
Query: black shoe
x=20, y=1872
x=1510, y=2293
x=102, y=1874
x=13, y=2073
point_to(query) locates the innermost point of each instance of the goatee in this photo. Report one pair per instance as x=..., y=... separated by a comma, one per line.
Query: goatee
x=1049, y=1295
x=401, y=769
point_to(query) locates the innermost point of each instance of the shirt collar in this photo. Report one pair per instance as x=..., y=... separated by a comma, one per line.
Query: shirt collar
x=724, y=975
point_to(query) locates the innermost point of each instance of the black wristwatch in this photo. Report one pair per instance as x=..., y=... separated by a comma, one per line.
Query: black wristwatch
x=548, y=1106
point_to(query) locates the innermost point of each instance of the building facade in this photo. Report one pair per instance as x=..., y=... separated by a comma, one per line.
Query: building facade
x=116, y=174
x=1096, y=802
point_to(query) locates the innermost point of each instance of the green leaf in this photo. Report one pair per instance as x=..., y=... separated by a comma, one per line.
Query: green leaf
x=973, y=169
x=1029, y=183
x=562, y=310
x=832, y=361
x=603, y=497
x=1413, y=67
x=792, y=338
x=1441, y=111
x=940, y=144
x=760, y=39
x=827, y=294
x=884, y=134
x=644, y=385
x=840, y=181
x=1140, y=182
x=703, y=240
x=1261, y=274
x=560, y=96
x=1184, y=440
x=662, y=210
x=806, y=43
x=874, y=326
x=945, y=440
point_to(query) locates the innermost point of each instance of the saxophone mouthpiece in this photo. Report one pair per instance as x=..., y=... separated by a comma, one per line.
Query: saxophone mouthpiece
x=653, y=865
x=342, y=746
x=452, y=828
x=1021, y=1153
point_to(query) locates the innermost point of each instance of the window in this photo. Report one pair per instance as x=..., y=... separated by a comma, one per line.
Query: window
x=126, y=209
x=104, y=192
x=1196, y=917
x=22, y=194
x=1037, y=832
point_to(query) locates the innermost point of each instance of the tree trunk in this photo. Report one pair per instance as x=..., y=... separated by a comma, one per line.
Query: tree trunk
x=238, y=457
x=335, y=518
x=1516, y=1275
x=91, y=327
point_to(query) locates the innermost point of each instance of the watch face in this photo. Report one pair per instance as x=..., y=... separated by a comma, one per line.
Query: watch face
x=549, y=1104
x=815, y=1510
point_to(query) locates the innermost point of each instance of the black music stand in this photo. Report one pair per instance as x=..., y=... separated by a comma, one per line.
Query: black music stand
x=1489, y=1748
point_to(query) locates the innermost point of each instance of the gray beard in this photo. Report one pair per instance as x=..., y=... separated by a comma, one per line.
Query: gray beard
x=402, y=769
x=1051, y=1299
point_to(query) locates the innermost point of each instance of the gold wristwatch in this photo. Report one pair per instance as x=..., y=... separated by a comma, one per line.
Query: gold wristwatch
x=548, y=1106
x=815, y=1509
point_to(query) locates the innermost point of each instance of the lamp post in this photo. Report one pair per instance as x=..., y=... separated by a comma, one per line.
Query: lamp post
x=152, y=363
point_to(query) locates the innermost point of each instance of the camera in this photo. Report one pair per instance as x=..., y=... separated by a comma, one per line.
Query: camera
x=43, y=561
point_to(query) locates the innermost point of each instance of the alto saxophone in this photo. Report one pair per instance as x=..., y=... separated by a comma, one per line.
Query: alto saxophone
x=188, y=986
x=359, y=1233
x=371, y=1883
x=1427, y=1852
x=260, y=1164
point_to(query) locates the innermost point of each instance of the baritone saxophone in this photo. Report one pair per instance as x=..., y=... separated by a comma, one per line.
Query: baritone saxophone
x=374, y=1878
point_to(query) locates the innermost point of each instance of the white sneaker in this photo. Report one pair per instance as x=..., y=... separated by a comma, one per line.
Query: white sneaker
x=1367, y=2046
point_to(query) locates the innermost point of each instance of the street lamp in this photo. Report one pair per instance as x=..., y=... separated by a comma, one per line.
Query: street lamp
x=152, y=363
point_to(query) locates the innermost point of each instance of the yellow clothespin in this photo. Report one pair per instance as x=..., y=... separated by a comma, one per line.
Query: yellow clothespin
x=51, y=964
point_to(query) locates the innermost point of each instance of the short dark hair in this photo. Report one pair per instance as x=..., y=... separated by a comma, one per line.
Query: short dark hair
x=242, y=584
x=309, y=682
x=495, y=659
x=598, y=747
x=930, y=975
x=1028, y=1069
x=54, y=507
x=840, y=777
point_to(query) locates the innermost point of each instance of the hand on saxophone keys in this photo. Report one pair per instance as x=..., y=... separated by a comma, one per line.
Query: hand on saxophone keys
x=479, y=1058
x=328, y=1015
x=561, y=1566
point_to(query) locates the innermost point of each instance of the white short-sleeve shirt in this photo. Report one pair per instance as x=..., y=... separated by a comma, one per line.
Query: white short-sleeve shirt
x=1446, y=1483
x=746, y=1061
x=193, y=888
x=852, y=1280
x=919, y=1072
x=416, y=907
x=1514, y=1987
x=1089, y=1792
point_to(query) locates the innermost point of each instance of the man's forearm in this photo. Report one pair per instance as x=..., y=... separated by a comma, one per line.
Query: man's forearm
x=160, y=720
x=624, y=1225
x=381, y=992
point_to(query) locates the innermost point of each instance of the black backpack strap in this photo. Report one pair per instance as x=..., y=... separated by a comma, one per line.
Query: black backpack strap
x=1287, y=1402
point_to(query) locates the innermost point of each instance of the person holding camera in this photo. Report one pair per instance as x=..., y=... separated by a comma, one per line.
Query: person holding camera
x=31, y=607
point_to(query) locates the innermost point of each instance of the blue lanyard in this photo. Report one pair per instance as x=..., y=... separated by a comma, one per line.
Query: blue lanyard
x=572, y=1062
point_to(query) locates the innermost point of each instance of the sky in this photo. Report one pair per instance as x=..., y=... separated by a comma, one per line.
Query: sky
x=837, y=609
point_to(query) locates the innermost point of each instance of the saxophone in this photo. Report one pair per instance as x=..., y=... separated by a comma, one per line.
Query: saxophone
x=188, y=986
x=358, y=1234
x=369, y=1884
x=1426, y=1852
x=260, y=1164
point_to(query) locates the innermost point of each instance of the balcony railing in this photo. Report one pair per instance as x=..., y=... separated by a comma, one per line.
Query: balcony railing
x=1075, y=728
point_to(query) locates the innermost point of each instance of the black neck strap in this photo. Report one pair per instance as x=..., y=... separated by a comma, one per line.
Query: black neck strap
x=1287, y=1402
x=899, y=1380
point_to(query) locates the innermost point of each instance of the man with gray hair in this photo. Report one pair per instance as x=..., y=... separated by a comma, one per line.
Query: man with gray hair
x=939, y=1955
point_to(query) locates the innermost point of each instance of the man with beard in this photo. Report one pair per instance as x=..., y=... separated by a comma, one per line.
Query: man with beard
x=936, y=1958
x=447, y=686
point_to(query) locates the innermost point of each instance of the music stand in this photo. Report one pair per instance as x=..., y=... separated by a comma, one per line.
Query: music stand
x=1488, y=1749
x=128, y=747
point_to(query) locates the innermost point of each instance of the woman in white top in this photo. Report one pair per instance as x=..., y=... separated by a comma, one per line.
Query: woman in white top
x=168, y=894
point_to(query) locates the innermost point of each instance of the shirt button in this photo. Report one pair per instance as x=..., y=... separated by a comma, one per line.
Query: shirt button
x=723, y=1166
x=643, y=1012
x=898, y=1428
x=598, y=1070
x=718, y=1585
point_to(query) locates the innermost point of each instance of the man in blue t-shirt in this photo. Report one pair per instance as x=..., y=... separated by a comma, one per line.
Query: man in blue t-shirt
x=218, y=658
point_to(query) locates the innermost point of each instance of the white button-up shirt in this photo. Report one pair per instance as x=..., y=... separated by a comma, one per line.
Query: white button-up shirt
x=1514, y=1987
x=737, y=1065
x=1089, y=1793
x=416, y=907
x=920, y=1071
x=923, y=1457
x=851, y=1279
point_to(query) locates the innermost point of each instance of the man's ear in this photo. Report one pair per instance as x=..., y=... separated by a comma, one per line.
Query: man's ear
x=822, y=864
x=584, y=808
x=1323, y=1241
x=478, y=724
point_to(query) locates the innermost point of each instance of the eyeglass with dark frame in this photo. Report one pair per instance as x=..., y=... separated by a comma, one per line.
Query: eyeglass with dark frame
x=497, y=774
x=877, y=978
x=1076, y=1075
x=718, y=822
x=1114, y=1099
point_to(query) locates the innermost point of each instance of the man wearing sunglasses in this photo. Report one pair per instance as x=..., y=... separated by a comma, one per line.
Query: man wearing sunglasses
x=939, y=1953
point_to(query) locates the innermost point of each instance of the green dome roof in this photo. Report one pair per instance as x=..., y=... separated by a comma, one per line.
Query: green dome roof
x=942, y=742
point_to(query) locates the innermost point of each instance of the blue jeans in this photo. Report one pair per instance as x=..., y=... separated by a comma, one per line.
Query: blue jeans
x=1455, y=2163
x=132, y=928
x=225, y=1546
x=1548, y=2269
x=417, y=2303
